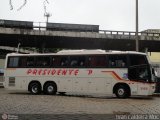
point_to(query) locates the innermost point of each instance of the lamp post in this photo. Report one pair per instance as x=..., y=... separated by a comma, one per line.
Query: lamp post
x=137, y=39
x=47, y=15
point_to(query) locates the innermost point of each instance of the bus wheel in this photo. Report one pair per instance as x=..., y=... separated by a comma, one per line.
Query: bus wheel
x=50, y=88
x=121, y=92
x=35, y=88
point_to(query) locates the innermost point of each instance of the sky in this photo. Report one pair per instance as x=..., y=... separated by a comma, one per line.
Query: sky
x=116, y=15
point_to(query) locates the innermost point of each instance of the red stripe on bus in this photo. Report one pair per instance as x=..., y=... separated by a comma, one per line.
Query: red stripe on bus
x=119, y=78
x=113, y=73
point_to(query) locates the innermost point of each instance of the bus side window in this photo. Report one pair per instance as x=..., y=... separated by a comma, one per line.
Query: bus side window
x=64, y=61
x=13, y=62
x=82, y=61
x=30, y=61
x=73, y=61
x=111, y=63
x=92, y=61
x=117, y=61
x=43, y=61
x=23, y=62
x=98, y=61
x=56, y=61
x=77, y=61
x=101, y=61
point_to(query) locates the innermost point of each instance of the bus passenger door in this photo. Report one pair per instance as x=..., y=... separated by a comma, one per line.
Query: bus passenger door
x=144, y=76
x=132, y=76
x=141, y=75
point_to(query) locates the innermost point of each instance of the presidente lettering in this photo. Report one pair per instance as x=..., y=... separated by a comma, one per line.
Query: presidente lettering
x=58, y=72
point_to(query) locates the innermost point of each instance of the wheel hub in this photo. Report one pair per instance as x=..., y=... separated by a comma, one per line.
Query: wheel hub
x=34, y=89
x=121, y=91
x=50, y=89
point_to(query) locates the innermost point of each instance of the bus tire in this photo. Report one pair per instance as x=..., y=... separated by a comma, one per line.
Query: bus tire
x=35, y=88
x=122, y=92
x=50, y=88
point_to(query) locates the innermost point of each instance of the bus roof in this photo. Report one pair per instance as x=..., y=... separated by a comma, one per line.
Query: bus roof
x=79, y=52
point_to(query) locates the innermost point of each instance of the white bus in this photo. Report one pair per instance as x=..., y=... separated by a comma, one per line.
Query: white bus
x=84, y=72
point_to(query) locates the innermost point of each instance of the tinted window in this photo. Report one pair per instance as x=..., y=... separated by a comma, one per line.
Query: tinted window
x=26, y=61
x=23, y=62
x=97, y=61
x=13, y=62
x=30, y=61
x=56, y=61
x=137, y=60
x=77, y=61
x=34, y=61
x=60, y=61
x=64, y=61
x=42, y=61
x=117, y=61
x=139, y=73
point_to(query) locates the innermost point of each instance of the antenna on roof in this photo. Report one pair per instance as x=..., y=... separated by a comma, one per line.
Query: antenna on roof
x=46, y=14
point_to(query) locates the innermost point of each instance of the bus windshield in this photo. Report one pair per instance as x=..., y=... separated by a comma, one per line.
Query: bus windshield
x=139, y=68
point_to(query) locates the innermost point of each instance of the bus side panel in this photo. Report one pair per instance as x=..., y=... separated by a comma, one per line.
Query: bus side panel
x=64, y=84
x=100, y=82
x=145, y=89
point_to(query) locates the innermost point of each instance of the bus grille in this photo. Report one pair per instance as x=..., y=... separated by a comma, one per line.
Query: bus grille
x=12, y=81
